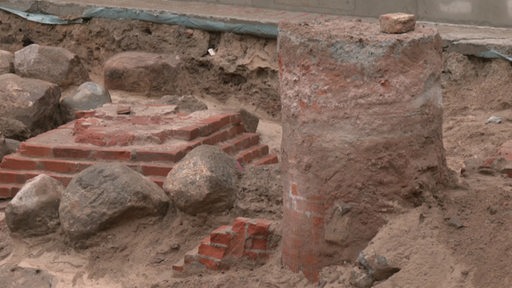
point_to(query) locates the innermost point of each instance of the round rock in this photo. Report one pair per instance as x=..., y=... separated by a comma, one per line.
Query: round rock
x=107, y=194
x=34, y=211
x=205, y=181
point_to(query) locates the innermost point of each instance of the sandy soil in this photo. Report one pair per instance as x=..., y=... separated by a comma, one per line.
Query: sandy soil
x=460, y=237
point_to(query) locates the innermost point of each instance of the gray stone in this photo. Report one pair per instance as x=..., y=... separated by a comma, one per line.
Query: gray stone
x=249, y=120
x=184, y=103
x=360, y=278
x=6, y=62
x=52, y=64
x=35, y=103
x=107, y=194
x=377, y=266
x=205, y=181
x=12, y=128
x=34, y=211
x=147, y=73
x=87, y=96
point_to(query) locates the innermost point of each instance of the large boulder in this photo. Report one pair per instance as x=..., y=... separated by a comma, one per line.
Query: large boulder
x=6, y=62
x=204, y=181
x=106, y=194
x=87, y=96
x=34, y=211
x=147, y=73
x=34, y=103
x=52, y=64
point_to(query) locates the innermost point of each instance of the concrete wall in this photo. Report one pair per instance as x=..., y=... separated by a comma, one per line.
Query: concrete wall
x=480, y=12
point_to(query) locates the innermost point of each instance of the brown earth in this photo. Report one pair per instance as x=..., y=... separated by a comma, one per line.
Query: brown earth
x=457, y=238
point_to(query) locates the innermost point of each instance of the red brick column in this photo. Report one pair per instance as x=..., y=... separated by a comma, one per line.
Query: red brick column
x=362, y=134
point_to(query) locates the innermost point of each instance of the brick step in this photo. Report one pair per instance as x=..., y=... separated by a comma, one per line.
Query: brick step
x=7, y=191
x=17, y=161
x=250, y=154
x=239, y=143
x=19, y=177
x=141, y=153
x=265, y=160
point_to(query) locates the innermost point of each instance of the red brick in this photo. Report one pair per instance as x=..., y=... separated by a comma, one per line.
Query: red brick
x=155, y=170
x=205, y=249
x=16, y=162
x=179, y=267
x=119, y=155
x=187, y=133
x=72, y=152
x=168, y=156
x=216, y=137
x=35, y=150
x=239, y=225
x=210, y=263
x=6, y=192
x=258, y=227
x=222, y=235
x=257, y=244
x=191, y=256
x=61, y=166
x=269, y=159
x=252, y=153
x=214, y=123
x=7, y=176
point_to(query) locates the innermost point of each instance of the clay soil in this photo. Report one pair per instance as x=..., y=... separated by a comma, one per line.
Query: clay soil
x=459, y=237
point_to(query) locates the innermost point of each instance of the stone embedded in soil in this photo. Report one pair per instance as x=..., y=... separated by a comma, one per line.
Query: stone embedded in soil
x=205, y=181
x=6, y=62
x=52, y=64
x=148, y=73
x=396, y=23
x=107, y=194
x=249, y=120
x=88, y=96
x=34, y=103
x=34, y=211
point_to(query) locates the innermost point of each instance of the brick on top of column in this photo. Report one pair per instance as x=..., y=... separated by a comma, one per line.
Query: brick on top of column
x=258, y=227
x=397, y=23
x=222, y=235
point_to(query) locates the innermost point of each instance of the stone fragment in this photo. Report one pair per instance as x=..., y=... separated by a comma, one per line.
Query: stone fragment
x=12, y=128
x=6, y=62
x=205, y=181
x=397, y=23
x=52, y=64
x=88, y=96
x=34, y=211
x=147, y=73
x=184, y=103
x=249, y=120
x=35, y=103
x=106, y=194
x=377, y=266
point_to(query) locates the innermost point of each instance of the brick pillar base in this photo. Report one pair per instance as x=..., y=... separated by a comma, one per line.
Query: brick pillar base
x=362, y=116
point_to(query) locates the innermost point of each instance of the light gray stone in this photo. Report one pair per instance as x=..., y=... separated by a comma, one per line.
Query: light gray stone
x=87, y=96
x=205, y=181
x=34, y=211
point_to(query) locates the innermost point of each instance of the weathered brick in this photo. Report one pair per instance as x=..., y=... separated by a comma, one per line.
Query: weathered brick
x=258, y=227
x=249, y=154
x=187, y=133
x=72, y=152
x=16, y=162
x=61, y=166
x=266, y=160
x=222, y=235
x=35, y=150
x=210, y=263
x=155, y=170
x=206, y=249
x=111, y=154
x=396, y=23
